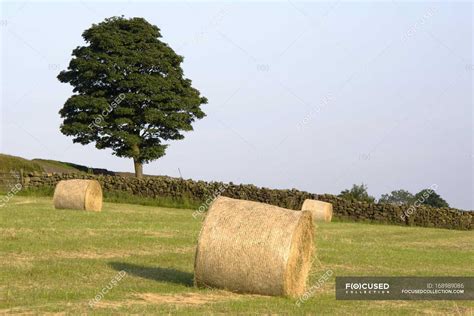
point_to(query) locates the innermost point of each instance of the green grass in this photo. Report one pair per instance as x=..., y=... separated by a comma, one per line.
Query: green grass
x=12, y=163
x=122, y=197
x=59, y=166
x=58, y=260
x=38, y=192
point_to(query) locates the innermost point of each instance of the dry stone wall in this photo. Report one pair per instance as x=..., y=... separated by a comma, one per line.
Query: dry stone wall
x=200, y=191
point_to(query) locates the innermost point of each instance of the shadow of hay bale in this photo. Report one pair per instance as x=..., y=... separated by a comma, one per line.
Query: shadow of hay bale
x=155, y=273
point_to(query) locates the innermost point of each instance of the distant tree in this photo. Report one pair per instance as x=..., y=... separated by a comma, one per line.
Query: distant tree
x=357, y=192
x=398, y=197
x=130, y=94
x=431, y=198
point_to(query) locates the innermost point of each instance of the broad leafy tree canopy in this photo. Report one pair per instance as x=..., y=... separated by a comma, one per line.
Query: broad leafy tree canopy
x=130, y=93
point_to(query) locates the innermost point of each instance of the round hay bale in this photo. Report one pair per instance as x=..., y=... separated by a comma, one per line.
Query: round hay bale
x=322, y=211
x=78, y=194
x=251, y=247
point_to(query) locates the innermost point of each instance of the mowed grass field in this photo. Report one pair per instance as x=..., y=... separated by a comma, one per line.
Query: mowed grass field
x=59, y=260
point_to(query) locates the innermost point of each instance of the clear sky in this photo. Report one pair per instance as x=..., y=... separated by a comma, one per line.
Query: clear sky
x=315, y=96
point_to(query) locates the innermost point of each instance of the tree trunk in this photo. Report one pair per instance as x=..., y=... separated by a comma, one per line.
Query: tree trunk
x=138, y=169
x=136, y=162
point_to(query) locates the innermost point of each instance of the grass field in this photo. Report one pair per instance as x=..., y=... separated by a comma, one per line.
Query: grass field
x=59, y=260
x=121, y=197
x=9, y=163
x=59, y=166
x=13, y=163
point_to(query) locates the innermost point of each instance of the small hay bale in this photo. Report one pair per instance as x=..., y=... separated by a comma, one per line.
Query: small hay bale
x=251, y=247
x=78, y=194
x=322, y=211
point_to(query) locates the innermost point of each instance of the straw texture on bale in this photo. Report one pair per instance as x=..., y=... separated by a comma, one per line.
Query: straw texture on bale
x=251, y=247
x=78, y=194
x=322, y=211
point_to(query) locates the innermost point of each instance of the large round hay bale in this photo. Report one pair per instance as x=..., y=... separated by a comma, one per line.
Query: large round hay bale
x=322, y=211
x=251, y=247
x=78, y=194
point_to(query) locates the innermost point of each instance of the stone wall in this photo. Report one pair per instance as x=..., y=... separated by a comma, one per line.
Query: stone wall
x=200, y=191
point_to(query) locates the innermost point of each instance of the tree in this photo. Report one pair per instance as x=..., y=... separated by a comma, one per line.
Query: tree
x=398, y=197
x=431, y=198
x=358, y=193
x=130, y=94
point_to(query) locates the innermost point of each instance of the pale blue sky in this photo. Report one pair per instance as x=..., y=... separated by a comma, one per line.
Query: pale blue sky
x=315, y=96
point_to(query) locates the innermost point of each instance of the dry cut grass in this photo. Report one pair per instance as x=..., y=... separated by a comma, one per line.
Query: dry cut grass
x=57, y=261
